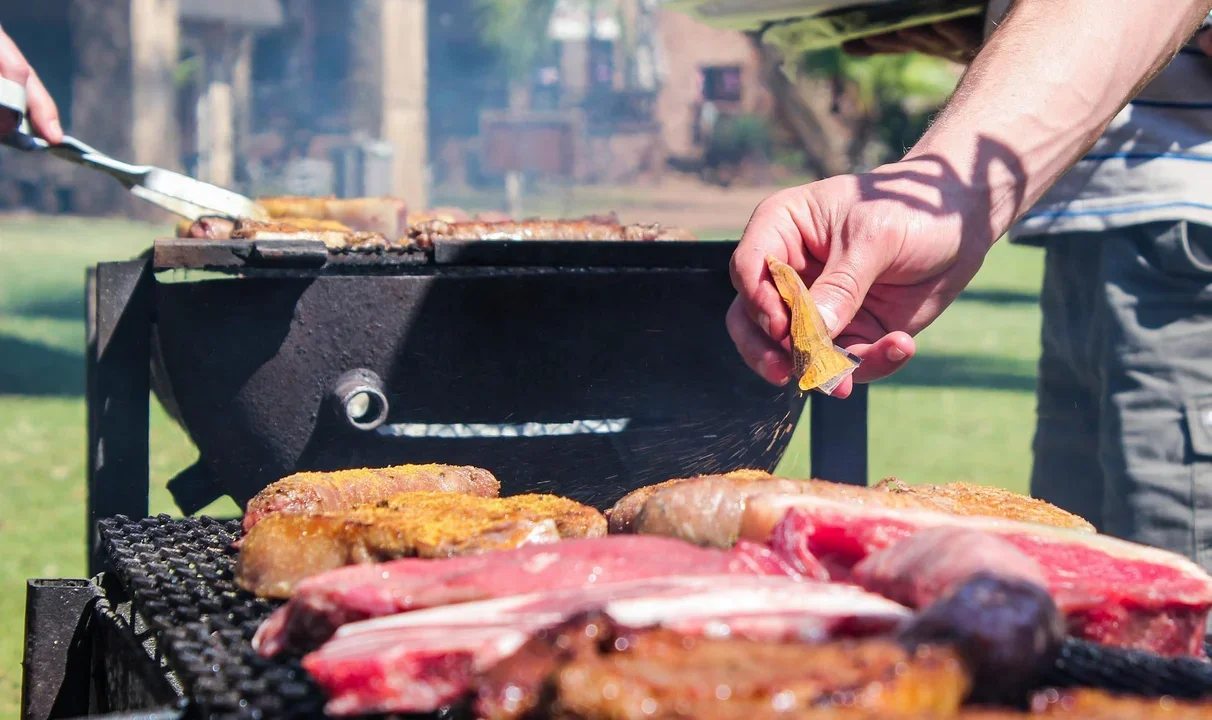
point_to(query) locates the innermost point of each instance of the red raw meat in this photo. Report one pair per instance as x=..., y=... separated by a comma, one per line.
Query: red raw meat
x=419, y=661
x=1111, y=591
x=932, y=563
x=325, y=602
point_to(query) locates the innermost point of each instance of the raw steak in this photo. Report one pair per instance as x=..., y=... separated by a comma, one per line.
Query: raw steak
x=1110, y=591
x=325, y=602
x=419, y=661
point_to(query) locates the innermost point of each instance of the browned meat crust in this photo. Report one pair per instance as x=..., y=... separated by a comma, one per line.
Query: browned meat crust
x=317, y=492
x=383, y=215
x=207, y=228
x=992, y=502
x=333, y=234
x=283, y=549
x=1097, y=705
x=622, y=515
x=590, y=671
x=586, y=229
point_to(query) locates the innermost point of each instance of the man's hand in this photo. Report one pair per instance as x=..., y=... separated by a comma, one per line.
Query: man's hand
x=43, y=114
x=955, y=40
x=884, y=253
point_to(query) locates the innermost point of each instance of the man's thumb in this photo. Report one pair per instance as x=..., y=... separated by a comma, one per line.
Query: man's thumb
x=839, y=293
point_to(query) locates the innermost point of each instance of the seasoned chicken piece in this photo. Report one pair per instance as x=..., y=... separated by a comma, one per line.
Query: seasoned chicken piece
x=585, y=229
x=992, y=502
x=317, y=492
x=333, y=234
x=283, y=549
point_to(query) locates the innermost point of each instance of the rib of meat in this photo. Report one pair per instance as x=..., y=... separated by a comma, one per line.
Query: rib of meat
x=1111, y=591
x=592, y=669
x=323, y=603
x=585, y=229
x=428, y=655
x=283, y=549
x=383, y=215
x=992, y=502
x=317, y=492
x=707, y=510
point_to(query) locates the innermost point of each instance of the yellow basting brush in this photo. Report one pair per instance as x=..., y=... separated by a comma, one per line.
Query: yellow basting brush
x=819, y=364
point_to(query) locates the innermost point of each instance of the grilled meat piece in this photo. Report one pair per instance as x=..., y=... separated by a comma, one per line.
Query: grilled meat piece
x=1111, y=591
x=283, y=549
x=991, y=502
x=707, y=510
x=206, y=228
x=317, y=492
x=333, y=234
x=382, y=215
x=622, y=515
x=586, y=229
x=661, y=674
x=1096, y=705
x=444, y=214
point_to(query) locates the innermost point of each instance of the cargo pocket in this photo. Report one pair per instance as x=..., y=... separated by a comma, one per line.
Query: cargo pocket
x=1199, y=433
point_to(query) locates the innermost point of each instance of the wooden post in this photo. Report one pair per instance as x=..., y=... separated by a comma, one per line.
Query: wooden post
x=403, y=88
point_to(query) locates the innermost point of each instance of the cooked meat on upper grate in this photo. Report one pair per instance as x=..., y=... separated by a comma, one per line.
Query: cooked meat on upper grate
x=585, y=229
x=316, y=492
x=707, y=510
x=591, y=669
x=283, y=549
x=1111, y=591
x=332, y=234
x=383, y=215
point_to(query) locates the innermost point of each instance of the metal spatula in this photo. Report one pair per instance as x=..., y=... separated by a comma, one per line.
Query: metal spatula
x=176, y=193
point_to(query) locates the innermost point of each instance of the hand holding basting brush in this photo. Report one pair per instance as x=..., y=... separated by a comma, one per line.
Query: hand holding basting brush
x=818, y=363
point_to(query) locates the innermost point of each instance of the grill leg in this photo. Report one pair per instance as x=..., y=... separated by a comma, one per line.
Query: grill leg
x=56, y=671
x=118, y=316
x=838, y=441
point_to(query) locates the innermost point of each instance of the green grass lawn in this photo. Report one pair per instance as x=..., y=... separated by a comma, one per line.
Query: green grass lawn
x=962, y=410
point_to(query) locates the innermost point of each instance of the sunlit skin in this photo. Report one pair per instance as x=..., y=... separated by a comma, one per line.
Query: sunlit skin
x=886, y=252
x=42, y=111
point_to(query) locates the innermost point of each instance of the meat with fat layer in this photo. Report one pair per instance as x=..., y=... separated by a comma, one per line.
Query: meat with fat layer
x=1111, y=591
x=334, y=235
x=323, y=603
x=318, y=492
x=591, y=668
x=282, y=550
x=622, y=516
x=206, y=228
x=419, y=661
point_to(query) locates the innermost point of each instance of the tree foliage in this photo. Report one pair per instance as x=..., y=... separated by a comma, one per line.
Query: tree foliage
x=517, y=30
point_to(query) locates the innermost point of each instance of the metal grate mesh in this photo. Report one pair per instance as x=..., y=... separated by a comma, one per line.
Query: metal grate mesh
x=179, y=576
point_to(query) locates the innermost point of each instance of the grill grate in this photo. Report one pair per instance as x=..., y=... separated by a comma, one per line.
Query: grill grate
x=179, y=577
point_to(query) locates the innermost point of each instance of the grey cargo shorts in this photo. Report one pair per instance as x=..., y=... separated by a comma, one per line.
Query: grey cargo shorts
x=1124, y=431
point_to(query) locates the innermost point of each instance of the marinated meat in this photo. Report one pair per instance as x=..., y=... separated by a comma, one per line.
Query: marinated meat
x=586, y=229
x=707, y=510
x=317, y=492
x=991, y=502
x=662, y=674
x=322, y=604
x=429, y=655
x=934, y=562
x=382, y=215
x=283, y=549
x=1110, y=591
x=1006, y=629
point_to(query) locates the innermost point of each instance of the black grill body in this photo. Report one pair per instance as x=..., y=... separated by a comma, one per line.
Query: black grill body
x=165, y=633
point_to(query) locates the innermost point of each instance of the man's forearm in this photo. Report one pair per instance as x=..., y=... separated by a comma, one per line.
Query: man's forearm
x=1044, y=88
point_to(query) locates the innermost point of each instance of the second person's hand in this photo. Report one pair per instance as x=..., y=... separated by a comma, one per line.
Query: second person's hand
x=42, y=111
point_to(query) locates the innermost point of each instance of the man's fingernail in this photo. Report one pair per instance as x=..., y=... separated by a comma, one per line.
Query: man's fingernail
x=56, y=128
x=764, y=322
x=829, y=317
x=895, y=354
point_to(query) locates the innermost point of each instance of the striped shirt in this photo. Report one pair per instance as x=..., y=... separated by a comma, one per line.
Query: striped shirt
x=1154, y=162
